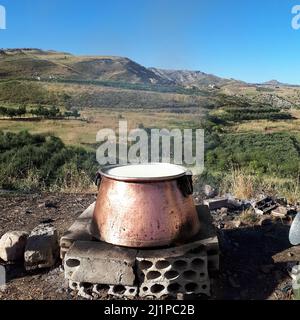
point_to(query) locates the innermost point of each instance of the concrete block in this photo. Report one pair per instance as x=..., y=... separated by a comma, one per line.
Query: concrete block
x=42, y=249
x=93, y=291
x=12, y=246
x=173, y=271
x=79, y=231
x=209, y=247
x=159, y=290
x=84, y=290
x=100, y=263
x=2, y=277
x=265, y=206
x=123, y=291
x=125, y=272
x=216, y=203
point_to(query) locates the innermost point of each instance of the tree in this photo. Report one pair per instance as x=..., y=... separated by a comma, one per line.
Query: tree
x=76, y=113
x=21, y=111
x=53, y=112
x=3, y=111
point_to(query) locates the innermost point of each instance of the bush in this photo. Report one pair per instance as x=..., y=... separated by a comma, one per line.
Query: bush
x=11, y=112
x=273, y=154
x=30, y=162
x=52, y=112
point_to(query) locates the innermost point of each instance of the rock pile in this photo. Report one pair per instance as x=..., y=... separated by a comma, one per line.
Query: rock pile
x=38, y=250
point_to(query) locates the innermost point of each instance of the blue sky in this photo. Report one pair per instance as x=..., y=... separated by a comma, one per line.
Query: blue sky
x=249, y=40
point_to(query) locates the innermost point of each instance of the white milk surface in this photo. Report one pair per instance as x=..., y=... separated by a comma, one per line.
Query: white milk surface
x=157, y=170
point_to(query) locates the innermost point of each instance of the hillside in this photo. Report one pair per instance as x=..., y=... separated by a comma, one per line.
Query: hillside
x=35, y=63
x=51, y=77
x=192, y=78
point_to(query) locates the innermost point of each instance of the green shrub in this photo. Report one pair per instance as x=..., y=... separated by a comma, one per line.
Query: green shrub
x=272, y=154
x=34, y=161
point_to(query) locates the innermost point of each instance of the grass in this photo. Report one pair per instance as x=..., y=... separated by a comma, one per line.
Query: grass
x=248, y=217
x=76, y=132
x=73, y=180
x=244, y=185
x=240, y=184
x=38, y=162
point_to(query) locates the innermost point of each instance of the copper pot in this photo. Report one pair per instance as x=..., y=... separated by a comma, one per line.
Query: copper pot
x=149, y=206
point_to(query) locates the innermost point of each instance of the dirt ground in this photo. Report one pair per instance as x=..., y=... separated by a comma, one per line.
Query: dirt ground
x=254, y=259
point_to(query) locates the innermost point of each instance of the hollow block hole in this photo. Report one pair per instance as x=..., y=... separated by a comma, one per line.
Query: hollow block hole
x=162, y=264
x=72, y=263
x=180, y=264
x=145, y=264
x=191, y=287
x=174, y=287
x=153, y=275
x=157, y=288
x=171, y=274
x=119, y=289
x=190, y=275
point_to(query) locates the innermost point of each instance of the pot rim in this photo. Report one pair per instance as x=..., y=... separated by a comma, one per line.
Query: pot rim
x=104, y=172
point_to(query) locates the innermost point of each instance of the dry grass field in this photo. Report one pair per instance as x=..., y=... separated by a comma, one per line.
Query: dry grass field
x=83, y=133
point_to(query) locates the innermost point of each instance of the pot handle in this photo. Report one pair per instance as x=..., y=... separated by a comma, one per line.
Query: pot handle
x=185, y=184
x=98, y=179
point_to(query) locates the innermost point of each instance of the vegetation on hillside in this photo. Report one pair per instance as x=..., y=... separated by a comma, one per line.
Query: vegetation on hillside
x=36, y=162
x=25, y=92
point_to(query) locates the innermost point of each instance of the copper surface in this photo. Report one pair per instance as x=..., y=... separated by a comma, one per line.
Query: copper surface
x=144, y=214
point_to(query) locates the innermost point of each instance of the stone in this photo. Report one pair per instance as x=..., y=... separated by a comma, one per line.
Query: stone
x=79, y=230
x=100, y=263
x=180, y=296
x=42, y=248
x=216, y=203
x=280, y=212
x=12, y=246
x=48, y=204
x=209, y=191
x=237, y=223
x=224, y=211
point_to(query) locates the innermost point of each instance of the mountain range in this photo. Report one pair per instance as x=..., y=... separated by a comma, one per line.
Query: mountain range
x=41, y=64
